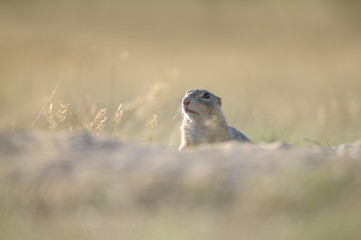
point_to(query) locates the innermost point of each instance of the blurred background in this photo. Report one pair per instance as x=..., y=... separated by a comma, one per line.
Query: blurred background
x=286, y=70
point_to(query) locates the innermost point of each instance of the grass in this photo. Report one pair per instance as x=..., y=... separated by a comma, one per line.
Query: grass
x=284, y=71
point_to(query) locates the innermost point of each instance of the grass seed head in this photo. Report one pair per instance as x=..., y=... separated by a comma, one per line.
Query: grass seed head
x=49, y=115
x=117, y=116
x=153, y=121
x=99, y=120
x=61, y=113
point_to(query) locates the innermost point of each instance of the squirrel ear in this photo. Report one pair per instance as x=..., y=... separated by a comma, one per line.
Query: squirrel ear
x=219, y=100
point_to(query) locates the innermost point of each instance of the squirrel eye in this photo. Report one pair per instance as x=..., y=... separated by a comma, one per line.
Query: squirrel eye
x=206, y=95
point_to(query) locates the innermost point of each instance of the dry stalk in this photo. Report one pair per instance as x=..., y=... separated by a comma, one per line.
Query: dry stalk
x=152, y=123
x=45, y=106
x=99, y=120
x=117, y=116
x=68, y=109
x=48, y=113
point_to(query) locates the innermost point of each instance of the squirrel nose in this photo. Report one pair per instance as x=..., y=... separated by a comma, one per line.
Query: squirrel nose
x=186, y=102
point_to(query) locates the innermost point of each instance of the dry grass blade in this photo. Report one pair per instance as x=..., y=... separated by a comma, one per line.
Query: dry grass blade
x=49, y=100
x=118, y=115
x=313, y=142
x=152, y=123
x=76, y=117
x=328, y=139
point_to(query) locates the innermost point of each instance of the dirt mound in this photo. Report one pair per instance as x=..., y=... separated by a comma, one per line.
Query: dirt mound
x=74, y=185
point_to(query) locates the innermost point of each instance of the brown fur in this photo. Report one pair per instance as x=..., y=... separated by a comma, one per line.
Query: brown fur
x=205, y=121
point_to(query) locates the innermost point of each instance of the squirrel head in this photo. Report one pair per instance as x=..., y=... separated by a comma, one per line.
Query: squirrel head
x=201, y=104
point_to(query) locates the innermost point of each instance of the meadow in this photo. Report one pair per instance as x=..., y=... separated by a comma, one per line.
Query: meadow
x=285, y=71
x=90, y=97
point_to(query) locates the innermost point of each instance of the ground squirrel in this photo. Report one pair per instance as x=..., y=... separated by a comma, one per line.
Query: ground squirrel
x=203, y=120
